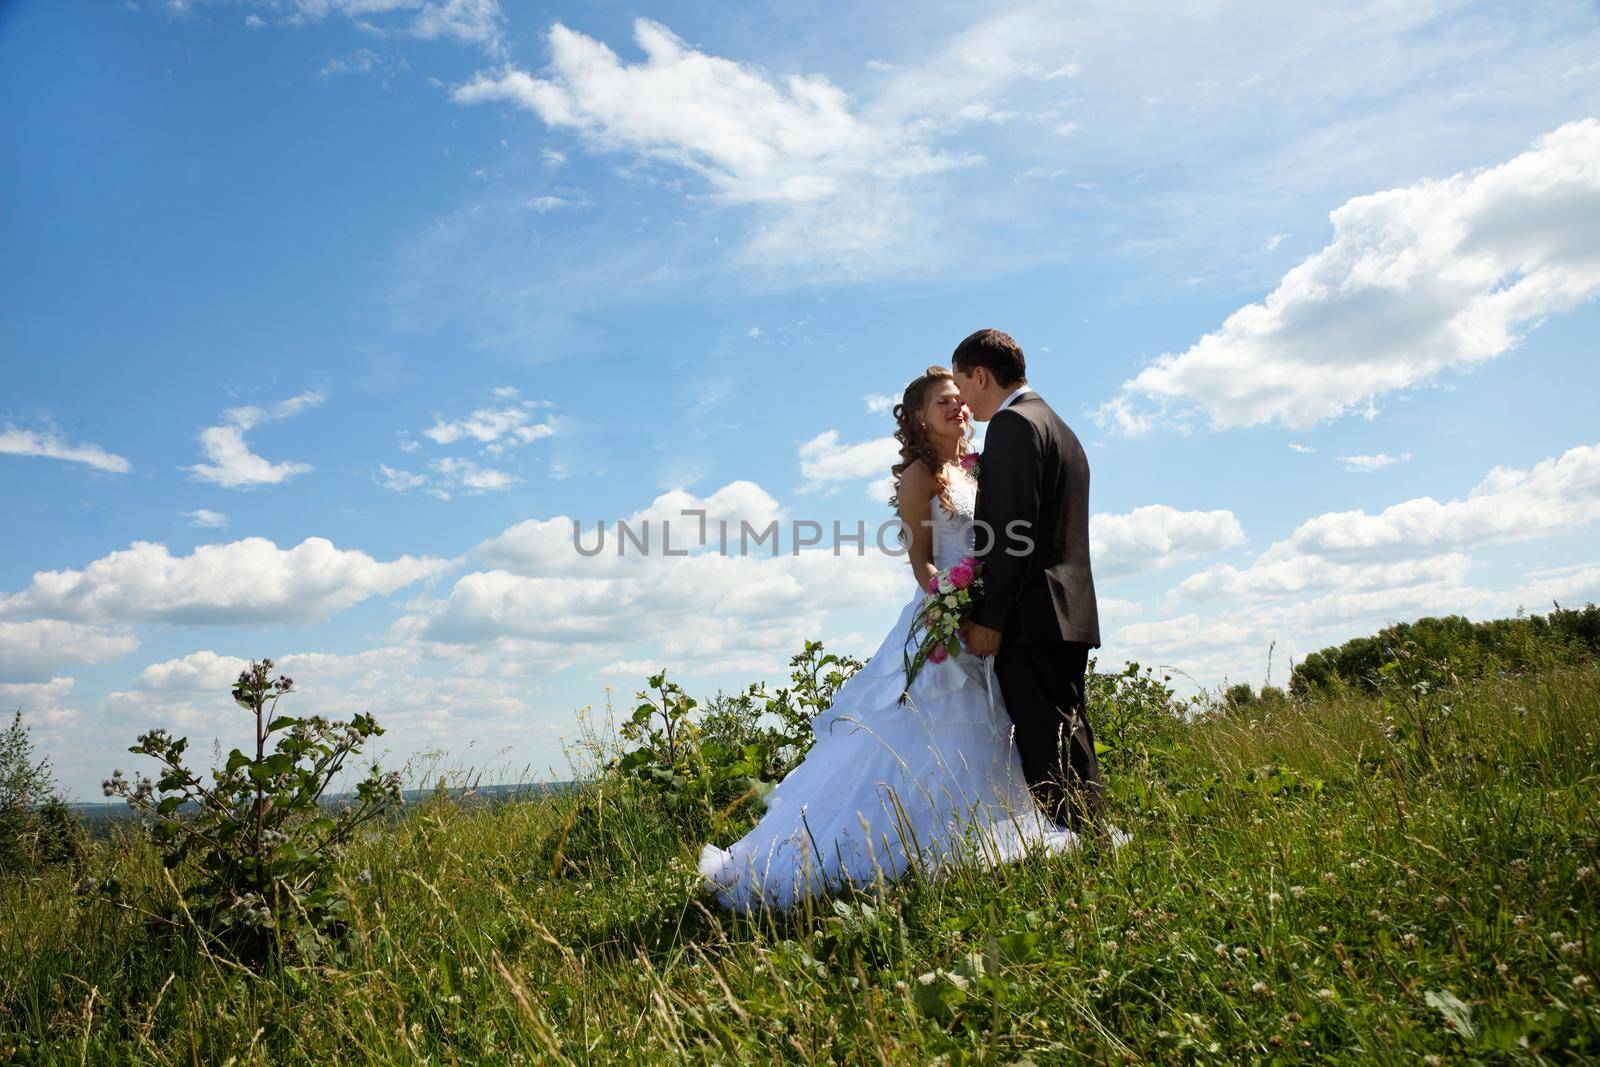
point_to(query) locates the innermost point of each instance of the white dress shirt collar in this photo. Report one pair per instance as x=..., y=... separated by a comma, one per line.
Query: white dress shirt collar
x=1012, y=398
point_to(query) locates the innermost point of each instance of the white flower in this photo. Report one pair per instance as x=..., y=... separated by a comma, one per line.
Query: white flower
x=946, y=585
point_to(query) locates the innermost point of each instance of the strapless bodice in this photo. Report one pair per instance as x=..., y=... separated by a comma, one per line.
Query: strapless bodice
x=952, y=534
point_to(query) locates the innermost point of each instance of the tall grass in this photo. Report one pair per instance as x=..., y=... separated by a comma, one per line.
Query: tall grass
x=1306, y=882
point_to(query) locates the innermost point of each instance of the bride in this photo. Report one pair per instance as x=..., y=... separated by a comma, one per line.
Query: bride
x=889, y=788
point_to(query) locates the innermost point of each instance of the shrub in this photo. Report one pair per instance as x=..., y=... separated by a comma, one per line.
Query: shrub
x=37, y=829
x=1132, y=711
x=1239, y=696
x=1459, y=647
x=814, y=678
x=258, y=844
x=728, y=756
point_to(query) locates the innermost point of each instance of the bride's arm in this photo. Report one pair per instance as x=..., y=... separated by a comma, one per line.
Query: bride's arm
x=916, y=495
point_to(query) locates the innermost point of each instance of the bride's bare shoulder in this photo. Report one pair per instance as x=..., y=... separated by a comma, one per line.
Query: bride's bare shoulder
x=916, y=478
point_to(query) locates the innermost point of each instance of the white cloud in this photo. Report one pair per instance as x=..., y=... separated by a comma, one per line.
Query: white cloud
x=1275, y=240
x=51, y=445
x=361, y=61
x=629, y=668
x=470, y=706
x=1417, y=541
x=823, y=459
x=33, y=650
x=1345, y=573
x=878, y=403
x=1156, y=536
x=753, y=137
x=1342, y=574
x=1304, y=450
x=836, y=180
x=473, y=21
x=754, y=333
x=207, y=672
x=206, y=519
x=750, y=665
x=464, y=476
x=451, y=476
x=1029, y=42
x=708, y=611
x=246, y=582
x=1288, y=622
x=477, y=22
x=508, y=425
x=203, y=671
x=543, y=204
x=41, y=703
x=499, y=428
x=1554, y=496
x=1368, y=464
x=1297, y=575
x=399, y=481
x=1439, y=276
x=703, y=605
x=232, y=465
x=545, y=547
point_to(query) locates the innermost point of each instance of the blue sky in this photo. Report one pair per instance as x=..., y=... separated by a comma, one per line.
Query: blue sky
x=321, y=320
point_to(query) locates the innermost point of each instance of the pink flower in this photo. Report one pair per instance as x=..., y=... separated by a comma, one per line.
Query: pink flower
x=969, y=561
x=961, y=576
x=939, y=654
x=933, y=584
x=969, y=461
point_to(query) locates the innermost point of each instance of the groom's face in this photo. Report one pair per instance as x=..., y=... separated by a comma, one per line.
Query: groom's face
x=974, y=392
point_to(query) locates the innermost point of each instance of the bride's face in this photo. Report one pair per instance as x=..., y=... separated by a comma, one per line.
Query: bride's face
x=943, y=413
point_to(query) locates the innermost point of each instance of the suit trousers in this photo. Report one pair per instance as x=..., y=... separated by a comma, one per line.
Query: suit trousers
x=1043, y=685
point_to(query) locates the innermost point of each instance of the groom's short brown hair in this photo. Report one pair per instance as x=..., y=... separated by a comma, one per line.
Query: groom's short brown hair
x=996, y=352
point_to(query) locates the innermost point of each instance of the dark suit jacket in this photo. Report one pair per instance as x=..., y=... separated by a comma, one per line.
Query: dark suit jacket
x=1033, y=469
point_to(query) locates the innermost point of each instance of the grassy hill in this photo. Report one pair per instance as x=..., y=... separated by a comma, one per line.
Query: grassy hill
x=1347, y=878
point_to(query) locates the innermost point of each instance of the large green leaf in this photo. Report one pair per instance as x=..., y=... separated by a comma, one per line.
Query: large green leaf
x=1457, y=1013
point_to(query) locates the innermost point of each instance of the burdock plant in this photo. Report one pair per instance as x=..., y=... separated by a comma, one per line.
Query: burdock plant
x=256, y=848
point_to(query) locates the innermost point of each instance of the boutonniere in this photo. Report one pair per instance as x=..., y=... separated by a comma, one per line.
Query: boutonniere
x=969, y=463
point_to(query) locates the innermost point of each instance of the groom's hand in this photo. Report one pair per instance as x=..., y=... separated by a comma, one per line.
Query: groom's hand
x=979, y=639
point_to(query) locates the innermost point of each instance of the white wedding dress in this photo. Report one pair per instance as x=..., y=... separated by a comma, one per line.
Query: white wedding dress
x=889, y=788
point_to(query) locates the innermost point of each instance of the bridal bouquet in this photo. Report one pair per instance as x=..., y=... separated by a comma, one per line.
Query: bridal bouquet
x=932, y=638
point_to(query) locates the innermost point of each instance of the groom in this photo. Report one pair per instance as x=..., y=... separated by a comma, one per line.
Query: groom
x=1038, y=617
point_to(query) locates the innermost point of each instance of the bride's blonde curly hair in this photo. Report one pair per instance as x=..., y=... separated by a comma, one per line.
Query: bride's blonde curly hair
x=913, y=436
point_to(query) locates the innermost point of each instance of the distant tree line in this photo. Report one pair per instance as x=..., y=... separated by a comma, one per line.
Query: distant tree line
x=1456, y=647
